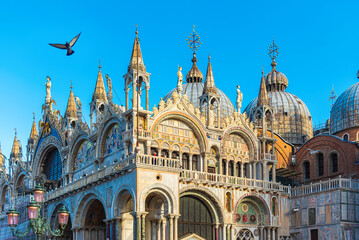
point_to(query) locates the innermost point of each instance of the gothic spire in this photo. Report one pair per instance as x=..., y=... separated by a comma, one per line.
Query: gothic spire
x=71, y=106
x=262, y=95
x=33, y=133
x=15, y=151
x=100, y=92
x=136, y=55
x=209, y=85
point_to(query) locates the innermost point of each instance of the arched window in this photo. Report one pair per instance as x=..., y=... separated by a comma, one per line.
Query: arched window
x=346, y=137
x=333, y=162
x=238, y=169
x=195, y=218
x=230, y=168
x=224, y=167
x=52, y=165
x=320, y=164
x=306, y=170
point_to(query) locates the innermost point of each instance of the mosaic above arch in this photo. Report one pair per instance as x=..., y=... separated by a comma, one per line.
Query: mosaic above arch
x=235, y=144
x=113, y=140
x=84, y=155
x=176, y=131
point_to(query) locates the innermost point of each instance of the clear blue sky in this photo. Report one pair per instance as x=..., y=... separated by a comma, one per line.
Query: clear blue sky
x=318, y=43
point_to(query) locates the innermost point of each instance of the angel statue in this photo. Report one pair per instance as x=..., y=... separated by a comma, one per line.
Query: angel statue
x=109, y=85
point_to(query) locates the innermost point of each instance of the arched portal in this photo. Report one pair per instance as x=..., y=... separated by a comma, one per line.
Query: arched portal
x=156, y=221
x=51, y=168
x=54, y=223
x=92, y=225
x=123, y=208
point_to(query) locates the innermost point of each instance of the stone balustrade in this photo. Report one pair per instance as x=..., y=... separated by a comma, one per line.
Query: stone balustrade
x=140, y=160
x=268, y=156
x=236, y=182
x=331, y=184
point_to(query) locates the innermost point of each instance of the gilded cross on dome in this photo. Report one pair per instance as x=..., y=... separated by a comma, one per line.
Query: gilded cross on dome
x=273, y=53
x=194, y=40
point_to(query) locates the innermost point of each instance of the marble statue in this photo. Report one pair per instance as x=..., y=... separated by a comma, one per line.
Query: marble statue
x=179, y=80
x=48, y=90
x=109, y=85
x=239, y=99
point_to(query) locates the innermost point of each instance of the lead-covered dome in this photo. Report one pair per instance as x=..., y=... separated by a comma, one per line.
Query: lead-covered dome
x=293, y=120
x=195, y=89
x=345, y=111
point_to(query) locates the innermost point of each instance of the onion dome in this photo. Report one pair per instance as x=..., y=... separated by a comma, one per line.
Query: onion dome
x=100, y=92
x=293, y=120
x=194, y=75
x=275, y=80
x=345, y=111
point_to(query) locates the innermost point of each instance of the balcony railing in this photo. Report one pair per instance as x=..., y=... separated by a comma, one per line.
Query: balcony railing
x=212, y=178
x=331, y=184
x=268, y=156
x=124, y=164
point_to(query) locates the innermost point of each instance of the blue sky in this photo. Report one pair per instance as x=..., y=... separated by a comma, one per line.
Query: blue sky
x=318, y=43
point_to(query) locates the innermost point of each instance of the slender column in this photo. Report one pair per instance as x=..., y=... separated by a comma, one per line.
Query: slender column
x=234, y=168
x=273, y=233
x=204, y=160
x=220, y=166
x=217, y=232
x=170, y=219
x=176, y=227
x=254, y=170
x=158, y=229
x=136, y=225
x=274, y=172
x=227, y=163
x=265, y=171
x=164, y=229
x=126, y=91
x=190, y=162
x=224, y=232
x=250, y=170
x=147, y=97
x=143, y=225
x=242, y=169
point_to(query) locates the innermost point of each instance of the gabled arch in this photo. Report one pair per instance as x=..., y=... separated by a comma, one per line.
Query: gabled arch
x=190, y=121
x=248, y=137
x=103, y=132
x=74, y=150
x=49, y=143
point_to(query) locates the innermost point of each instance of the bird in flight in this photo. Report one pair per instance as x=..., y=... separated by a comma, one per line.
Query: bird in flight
x=311, y=151
x=67, y=45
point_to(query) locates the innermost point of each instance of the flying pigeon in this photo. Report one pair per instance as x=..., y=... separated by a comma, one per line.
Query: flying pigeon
x=67, y=45
x=311, y=151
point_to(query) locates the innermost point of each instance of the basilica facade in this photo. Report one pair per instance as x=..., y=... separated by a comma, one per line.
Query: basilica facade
x=191, y=167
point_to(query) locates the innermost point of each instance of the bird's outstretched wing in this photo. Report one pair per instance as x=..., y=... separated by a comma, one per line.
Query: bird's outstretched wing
x=58, y=45
x=73, y=41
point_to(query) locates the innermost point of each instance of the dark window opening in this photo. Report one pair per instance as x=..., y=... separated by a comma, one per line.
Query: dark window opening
x=306, y=170
x=320, y=162
x=52, y=168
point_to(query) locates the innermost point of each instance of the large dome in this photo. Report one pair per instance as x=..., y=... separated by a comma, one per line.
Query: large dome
x=292, y=118
x=195, y=89
x=345, y=111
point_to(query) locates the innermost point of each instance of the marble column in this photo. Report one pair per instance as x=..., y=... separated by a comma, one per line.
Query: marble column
x=143, y=225
x=265, y=171
x=242, y=169
x=176, y=227
x=217, y=231
x=164, y=229
x=224, y=232
x=170, y=221
x=274, y=175
x=220, y=166
x=126, y=96
x=227, y=167
x=190, y=162
x=254, y=170
x=158, y=229
x=147, y=99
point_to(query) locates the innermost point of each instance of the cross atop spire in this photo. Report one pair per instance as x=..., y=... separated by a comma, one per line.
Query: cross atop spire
x=332, y=96
x=273, y=53
x=194, y=41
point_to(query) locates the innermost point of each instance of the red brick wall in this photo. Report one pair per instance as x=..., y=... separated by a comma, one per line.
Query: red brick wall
x=348, y=153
